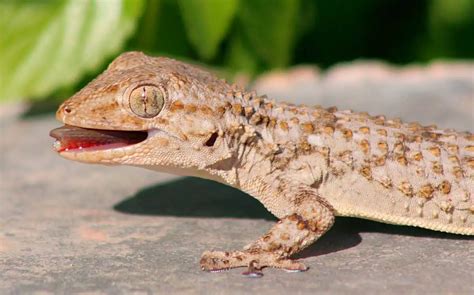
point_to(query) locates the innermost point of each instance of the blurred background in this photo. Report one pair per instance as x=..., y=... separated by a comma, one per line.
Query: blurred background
x=51, y=48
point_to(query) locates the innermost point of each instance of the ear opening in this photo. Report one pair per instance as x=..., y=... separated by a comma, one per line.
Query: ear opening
x=212, y=139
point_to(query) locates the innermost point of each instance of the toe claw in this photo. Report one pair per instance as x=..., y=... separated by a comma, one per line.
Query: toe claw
x=255, y=274
x=296, y=270
x=253, y=270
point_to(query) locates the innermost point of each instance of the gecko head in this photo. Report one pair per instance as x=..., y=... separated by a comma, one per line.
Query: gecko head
x=146, y=111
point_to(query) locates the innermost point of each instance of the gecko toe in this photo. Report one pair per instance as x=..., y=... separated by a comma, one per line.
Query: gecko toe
x=219, y=260
x=301, y=268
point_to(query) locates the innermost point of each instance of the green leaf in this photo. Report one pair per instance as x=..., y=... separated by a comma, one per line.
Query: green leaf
x=240, y=56
x=45, y=45
x=451, y=12
x=450, y=25
x=270, y=26
x=161, y=30
x=206, y=23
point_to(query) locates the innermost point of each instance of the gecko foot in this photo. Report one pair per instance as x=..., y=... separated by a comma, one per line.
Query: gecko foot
x=287, y=237
x=254, y=261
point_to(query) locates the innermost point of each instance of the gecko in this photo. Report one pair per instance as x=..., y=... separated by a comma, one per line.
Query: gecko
x=305, y=164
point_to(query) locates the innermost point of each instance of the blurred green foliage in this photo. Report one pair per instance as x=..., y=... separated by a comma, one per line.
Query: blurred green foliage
x=45, y=45
x=50, y=48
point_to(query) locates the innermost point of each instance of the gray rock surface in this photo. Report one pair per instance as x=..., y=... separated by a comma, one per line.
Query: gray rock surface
x=68, y=228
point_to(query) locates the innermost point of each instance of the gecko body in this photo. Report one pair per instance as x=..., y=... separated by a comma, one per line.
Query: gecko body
x=306, y=165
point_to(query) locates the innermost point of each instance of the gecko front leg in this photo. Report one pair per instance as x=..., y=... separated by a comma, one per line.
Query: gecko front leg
x=311, y=218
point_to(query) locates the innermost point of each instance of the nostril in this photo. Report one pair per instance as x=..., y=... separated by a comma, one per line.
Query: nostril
x=67, y=109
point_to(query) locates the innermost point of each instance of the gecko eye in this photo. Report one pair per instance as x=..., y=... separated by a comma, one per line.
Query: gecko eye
x=146, y=101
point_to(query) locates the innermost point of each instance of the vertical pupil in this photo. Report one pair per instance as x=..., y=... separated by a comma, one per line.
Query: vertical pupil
x=144, y=94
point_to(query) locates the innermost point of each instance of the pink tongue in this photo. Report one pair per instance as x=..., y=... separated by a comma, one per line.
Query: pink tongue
x=71, y=137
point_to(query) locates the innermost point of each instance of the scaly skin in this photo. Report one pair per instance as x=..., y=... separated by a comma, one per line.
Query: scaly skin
x=305, y=164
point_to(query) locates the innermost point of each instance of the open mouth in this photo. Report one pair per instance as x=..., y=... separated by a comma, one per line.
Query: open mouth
x=72, y=138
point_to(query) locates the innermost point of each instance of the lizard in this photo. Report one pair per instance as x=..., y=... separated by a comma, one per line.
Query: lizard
x=305, y=164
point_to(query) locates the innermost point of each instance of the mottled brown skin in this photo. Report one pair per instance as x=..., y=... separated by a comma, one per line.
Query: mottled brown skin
x=305, y=164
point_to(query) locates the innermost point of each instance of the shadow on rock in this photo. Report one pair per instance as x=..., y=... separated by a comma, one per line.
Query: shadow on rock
x=346, y=231
x=194, y=197
x=339, y=237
